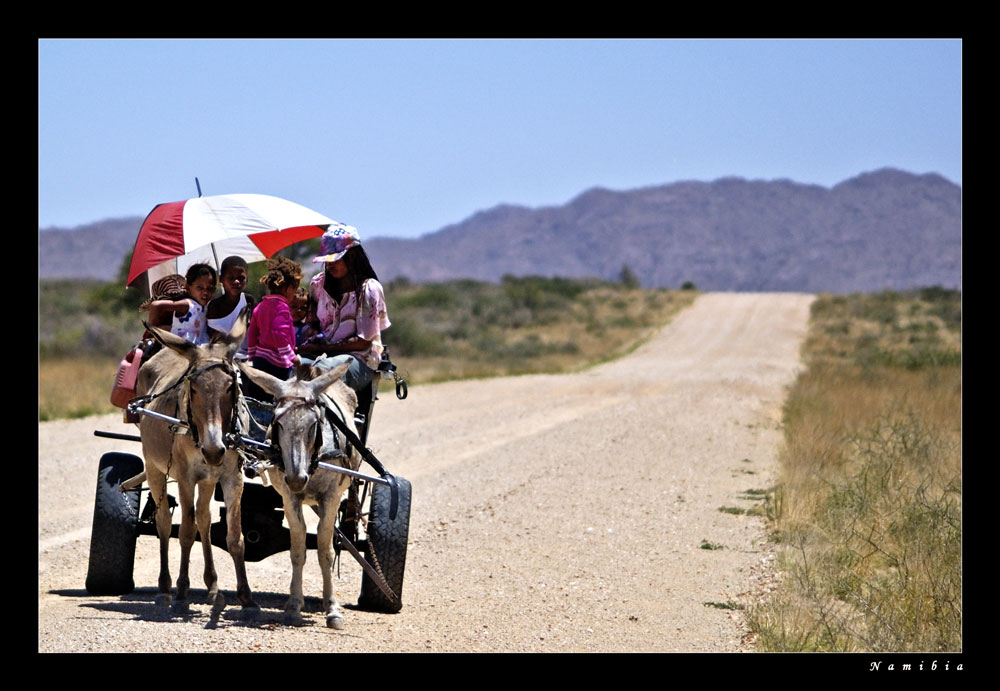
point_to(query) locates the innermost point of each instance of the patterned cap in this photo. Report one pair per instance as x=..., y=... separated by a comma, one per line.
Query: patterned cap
x=172, y=287
x=336, y=241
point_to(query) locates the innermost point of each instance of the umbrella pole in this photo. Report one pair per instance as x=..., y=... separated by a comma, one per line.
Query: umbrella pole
x=215, y=254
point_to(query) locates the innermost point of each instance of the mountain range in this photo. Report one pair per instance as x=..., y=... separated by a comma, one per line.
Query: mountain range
x=886, y=229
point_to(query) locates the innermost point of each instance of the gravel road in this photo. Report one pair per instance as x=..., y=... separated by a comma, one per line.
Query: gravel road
x=551, y=513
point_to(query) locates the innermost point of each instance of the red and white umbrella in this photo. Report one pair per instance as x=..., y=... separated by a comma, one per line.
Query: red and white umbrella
x=208, y=229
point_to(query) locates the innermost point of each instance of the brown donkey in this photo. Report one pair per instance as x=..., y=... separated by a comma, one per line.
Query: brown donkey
x=198, y=385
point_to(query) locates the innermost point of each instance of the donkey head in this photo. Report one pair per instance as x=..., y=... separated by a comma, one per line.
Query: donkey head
x=298, y=424
x=208, y=391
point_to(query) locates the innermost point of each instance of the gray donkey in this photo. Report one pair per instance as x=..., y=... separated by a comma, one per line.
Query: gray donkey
x=198, y=385
x=304, y=434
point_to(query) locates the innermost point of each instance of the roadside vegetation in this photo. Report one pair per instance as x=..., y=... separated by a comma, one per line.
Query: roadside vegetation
x=463, y=329
x=455, y=329
x=868, y=511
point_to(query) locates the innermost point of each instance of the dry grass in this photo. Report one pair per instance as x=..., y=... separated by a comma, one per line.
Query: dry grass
x=869, y=505
x=70, y=388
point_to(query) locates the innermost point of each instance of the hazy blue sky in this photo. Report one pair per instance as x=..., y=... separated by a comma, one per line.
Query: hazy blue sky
x=403, y=137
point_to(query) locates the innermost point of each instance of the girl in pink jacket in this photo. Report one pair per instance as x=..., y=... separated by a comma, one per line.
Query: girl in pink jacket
x=271, y=338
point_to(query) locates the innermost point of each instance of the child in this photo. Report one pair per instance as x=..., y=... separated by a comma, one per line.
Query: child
x=271, y=337
x=224, y=310
x=300, y=309
x=172, y=287
x=186, y=315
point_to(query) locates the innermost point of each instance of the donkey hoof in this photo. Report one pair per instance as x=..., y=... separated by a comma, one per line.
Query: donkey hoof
x=218, y=602
x=250, y=612
x=293, y=618
x=180, y=607
x=335, y=621
x=163, y=599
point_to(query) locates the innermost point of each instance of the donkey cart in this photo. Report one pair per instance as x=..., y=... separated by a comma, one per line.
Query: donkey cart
x=372, y=522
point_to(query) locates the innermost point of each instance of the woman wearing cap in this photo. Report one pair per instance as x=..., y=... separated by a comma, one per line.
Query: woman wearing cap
x=346, y=308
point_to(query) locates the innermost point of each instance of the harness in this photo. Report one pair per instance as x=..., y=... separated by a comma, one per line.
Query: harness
x=181, y=422
x=234, y=384
x=249, y=450
x=322, y=409
x=182, y=425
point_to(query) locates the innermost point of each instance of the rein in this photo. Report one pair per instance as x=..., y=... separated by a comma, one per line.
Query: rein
x=139, y=403
x=317, y=408
x=190, y=374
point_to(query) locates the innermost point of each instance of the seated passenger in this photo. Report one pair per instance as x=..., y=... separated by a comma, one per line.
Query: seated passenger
x=271, y=337
x=347, y=308
x=185, y=313
x=300, y=310
x=169, y=288
x=224, y=310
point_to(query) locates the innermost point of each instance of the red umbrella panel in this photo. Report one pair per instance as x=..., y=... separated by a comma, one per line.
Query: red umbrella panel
x=208, y=229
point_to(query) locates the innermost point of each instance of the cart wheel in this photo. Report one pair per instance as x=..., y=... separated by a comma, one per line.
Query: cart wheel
x=387, y=538
x=112, y=538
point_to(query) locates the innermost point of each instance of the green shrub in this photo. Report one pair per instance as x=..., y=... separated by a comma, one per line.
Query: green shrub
x=406, y=337
x=877, y=307
x=431, y=295
x=868, y=514
x=629, y=279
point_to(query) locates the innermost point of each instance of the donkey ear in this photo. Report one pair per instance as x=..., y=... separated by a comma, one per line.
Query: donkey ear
x=327, y=379
x=303, y=371
x=239, y=329
x=269, y=383
x=234, y=338
x=169, y=340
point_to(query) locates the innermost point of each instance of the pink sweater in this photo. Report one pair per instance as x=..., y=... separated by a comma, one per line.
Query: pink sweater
x=272, y=333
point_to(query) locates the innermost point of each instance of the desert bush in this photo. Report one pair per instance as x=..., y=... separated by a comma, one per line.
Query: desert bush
x=81, y=318
x=431, y=295
x=878, y=307
x=878, y=565
x=629, y=278
x=869, y=521
x=408, y=338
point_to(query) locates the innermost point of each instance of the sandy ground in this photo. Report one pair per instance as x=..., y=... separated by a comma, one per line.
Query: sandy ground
x=553, y=513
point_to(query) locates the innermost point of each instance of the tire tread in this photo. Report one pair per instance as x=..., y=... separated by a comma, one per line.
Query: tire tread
x=389, y=540
x=113, y=533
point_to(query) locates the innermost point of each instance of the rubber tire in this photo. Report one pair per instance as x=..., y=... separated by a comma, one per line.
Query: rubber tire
x=389, y=540
x=113, y=535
